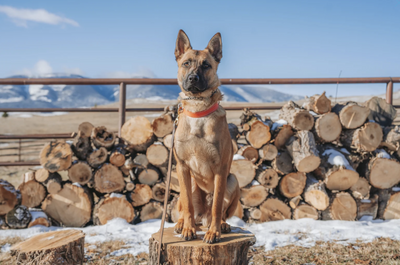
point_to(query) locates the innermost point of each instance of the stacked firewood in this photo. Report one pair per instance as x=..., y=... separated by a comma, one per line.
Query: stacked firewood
x=317, y=162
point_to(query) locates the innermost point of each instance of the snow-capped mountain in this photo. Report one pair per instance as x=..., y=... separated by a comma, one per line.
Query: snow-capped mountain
x=64, y=96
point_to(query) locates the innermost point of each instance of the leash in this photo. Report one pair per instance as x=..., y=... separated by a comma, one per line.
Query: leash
x=167, y=189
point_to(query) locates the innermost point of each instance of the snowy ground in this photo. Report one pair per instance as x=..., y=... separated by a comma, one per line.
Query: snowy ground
x=304, y=232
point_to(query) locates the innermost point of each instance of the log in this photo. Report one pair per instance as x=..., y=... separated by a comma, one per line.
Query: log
x=41, y=175
x=381, y=112
x=274, y=209
x=102, y=138
x=82, y=147
x=248, y=118
x=351, y=114
x=72, y=206
x=56, y=156
x=141, y=195
x=327, y=128
x=269, y=178
x=233, y=131
x=9, y=197
x=167, y=141
x=117, y=156
x=32, y=192
x=19, y=217
x=282, y=135
x=152, y=210
x=53, y=183
x=115, y=206
x=392, y=210
x=163, y=125
x=360, y=190
x=249, y=152
x=258, y=135
x=302, y=148
x=57, y=247
x=300, y=119
x=232, y=249
x=315, y=193
x=294, y=202
x=38, y=218
x=305, y=211
x=148, y=176
x=292, y=184
x=157, y=154
x=336, y=171
x=255, y=213
x=283, y=163
x=138, y=132
x=382, y=170
x=141, y=160
x=391, y=138
x=108, y=179
x=343, y=207
x=244, y=170
x=253, y=196
x=98, y=157
x=158, y=191
x=129, y=186
x=80, y=172
x=320, y=104
x=268, y=152
x=367, y=208
x=85, y=129
x=364, y=139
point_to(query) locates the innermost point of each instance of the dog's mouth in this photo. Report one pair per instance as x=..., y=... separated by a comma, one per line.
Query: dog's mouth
x=195, y=89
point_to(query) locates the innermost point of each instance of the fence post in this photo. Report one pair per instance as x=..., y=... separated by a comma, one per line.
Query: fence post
x=122, y=106
x=19, y=151
x=389, y=92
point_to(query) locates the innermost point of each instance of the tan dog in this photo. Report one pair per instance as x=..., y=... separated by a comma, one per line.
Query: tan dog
x=203, y=147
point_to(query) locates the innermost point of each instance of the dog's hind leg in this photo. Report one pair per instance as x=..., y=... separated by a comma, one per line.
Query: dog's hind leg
x=231, y=200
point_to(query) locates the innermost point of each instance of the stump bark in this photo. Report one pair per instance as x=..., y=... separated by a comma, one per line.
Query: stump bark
x=351, y=114
x=300, y=119
x=231, y=250
x=302, y=148
x=115, y=206
x=56, y=156
x=139, y=133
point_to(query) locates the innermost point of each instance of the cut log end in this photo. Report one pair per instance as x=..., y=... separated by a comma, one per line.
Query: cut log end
x=274, y=209
x=102, y=138
x=292, y=184
x=152, y=210
x=269, y=178
x=342, y=179
x=253, y=196
x=141, y=195
x=343, y=207
x=305, y=211
x=139, y=133
x=268, y=152
x=384, y=173
x=258, y=135
x=97, y=157
x=328, y=127
x=244, y=171
x=108, y=179
x=163, y=125
x=56, y=156
x=157, y=155
x=113, y=207
x=80, y=172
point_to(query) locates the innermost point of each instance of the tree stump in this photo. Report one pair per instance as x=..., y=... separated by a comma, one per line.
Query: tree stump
x=298, y=118
x=56, y=156
x=231, y=250
x=56, y=248
x=351, y=114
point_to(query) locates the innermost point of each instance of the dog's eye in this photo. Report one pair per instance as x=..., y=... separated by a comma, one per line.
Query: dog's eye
x=206, y=65
x=187, y=63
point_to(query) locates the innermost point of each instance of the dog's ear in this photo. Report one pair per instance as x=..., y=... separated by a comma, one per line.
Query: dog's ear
x=215, y=47
x=182, y=44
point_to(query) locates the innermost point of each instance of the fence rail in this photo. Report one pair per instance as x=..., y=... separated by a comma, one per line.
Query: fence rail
x=161, y=81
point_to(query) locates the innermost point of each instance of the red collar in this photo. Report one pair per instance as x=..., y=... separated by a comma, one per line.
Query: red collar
x=203, y=113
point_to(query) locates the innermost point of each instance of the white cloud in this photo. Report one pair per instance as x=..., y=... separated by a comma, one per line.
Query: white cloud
x=42, y=68
x=139, y=74
x=21, y=16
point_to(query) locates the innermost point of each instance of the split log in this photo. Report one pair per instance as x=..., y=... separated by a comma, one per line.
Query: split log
x=159, y=192
x=283, y=163
x=115, y=206
x=327, y=127
x=382, y=170
x=249, y=152
x=360, y=190
x=380, y=111
x=58, y=247
x=274, y=209
x=367, y=208
x=343, y=207
x=315, y=193
x=292, y=184
x=269, y=178
x=302, y=148
x=98, y=157
x=232, y=249
x=300, y=119
x=32, y=192
x=253, y=196
x=282, y=135
x=157, y=154
x=172, y=210
x=80, y=172
x=82, y=147
x=268, y=152
x=39, y=218
x=85, y=129
x=141, y=195
x=108, y=179
x=351, y=114
x=336, y=171
x=163, y=125
x=364, y=139
x=152, y=210
x=305, y=211
x=320, y=104
x=294, y=202
x=56, y=156
x=244, y=170
x=258, y=135
x=148, y=176
x=138, y=132
x=391, y=138
x=167, y=141
x=117, y=156
x=102, y=138
x=9, y=197
x=19, y=217
x=72, y=206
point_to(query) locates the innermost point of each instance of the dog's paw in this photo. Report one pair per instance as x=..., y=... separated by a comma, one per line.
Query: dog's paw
x=212, y=236
x=189, y=233
x=225, y=228
x=179, y=226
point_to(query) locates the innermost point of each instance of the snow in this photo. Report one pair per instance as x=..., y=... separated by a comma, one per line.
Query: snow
x=77, y=184
x=277, y=124
x=396, y=189
x=238, y=157
x=382, y=153
x=37, y=214
x=337, y=158
x=255, y=183
x=116, y=195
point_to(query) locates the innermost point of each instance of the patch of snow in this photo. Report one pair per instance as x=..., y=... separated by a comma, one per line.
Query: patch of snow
x=368, y=218
x=277, y=124
x=396, y=189
x=37, y=214
x=6, y=247
x=255, y=183
x=337, y=158
x=382, y=153
x=366, y=201
x=116, y=195
x=77, y=184
x=238, y=157
x=345, y=151
x=158, y=143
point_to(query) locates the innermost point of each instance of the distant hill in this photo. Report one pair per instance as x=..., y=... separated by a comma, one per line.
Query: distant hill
x=64, y=96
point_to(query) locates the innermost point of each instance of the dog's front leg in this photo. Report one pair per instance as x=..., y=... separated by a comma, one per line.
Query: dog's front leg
x=186, y=224
x=214, y=231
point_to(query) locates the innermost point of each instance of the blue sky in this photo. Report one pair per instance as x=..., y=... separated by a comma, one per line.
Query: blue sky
x=261, y=39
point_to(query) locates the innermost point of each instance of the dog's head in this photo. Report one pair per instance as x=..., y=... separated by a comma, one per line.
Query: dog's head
x=197, y=72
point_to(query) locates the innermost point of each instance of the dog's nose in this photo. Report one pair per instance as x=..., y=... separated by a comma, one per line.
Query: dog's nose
x=193, y=78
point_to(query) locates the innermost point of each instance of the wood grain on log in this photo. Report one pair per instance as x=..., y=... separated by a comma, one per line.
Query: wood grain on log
x=163, y=125
x=343, y=207
x=167, y=141
x=56, y=156
x=108, y=179
x=139, y=133
x=148, y=176
x=82, y=147
x=294, y=202
x=274, y=209
x=9, y=197
x=268, y=152
x=383, y=170
x=116, y=206
x=292, y=184
x=360, y=190
x=320, y=104
x=32, y=192
x=253, y=196
x=141, y=195
x=157, y=155
x=244, y=171
x=364, y=139
x=327, y=127
x=391, y=138
x=159, y=192
x=351, y=114
x=85, y=129
x=80, y=172
x=258, y=135
x=305, y=211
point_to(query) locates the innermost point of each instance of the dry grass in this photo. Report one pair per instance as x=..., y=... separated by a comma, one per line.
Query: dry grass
x=5, y=258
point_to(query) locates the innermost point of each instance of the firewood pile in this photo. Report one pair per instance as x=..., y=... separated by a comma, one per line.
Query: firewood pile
x=316, y=161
